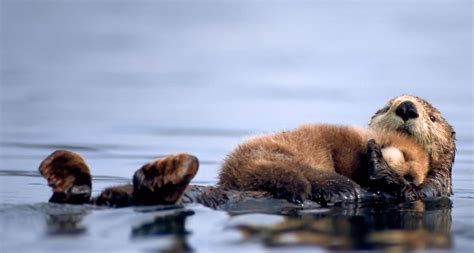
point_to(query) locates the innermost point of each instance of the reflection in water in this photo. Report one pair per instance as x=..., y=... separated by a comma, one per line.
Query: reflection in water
x=169, y=224
x=65, y=224
x=62, y=223
x=398, y=227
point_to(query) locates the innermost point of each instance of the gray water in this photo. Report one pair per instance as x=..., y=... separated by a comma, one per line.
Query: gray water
x=124, y=82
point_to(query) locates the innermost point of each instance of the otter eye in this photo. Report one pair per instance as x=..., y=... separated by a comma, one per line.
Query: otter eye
x=432, y=118
x=453, y=134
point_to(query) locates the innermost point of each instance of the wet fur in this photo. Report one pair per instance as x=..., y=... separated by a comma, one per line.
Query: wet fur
x=159, y=182
x=433, y=133
x=165, y=180
x=319, y=162
x=69, y=176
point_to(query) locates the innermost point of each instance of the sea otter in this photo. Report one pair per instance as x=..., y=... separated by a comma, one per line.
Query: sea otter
x=320, y=162
x=164, y=181
x=415, y=117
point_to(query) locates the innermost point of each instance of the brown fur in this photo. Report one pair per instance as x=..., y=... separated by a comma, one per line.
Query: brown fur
x=433, y=133
x=288, y=165
x=316, y=160
x=115, y=196
x=69, y=176
x=162, y=181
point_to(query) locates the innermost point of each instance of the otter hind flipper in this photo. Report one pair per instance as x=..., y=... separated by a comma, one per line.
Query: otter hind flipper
x=69, y=176
x=164, y=181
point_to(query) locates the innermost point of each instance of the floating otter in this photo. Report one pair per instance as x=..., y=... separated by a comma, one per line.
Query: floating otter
x=407, y=128
x=417, y=118
x=319, y=161
x=316, y=161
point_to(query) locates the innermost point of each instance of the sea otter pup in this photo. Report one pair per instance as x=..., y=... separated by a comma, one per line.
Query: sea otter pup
x=318, y=161
x=163, y=181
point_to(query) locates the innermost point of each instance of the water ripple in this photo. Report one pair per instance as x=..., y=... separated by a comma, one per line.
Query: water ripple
x=52, y=146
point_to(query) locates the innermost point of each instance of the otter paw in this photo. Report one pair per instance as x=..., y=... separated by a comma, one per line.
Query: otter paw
x=409, y=192
x=379, y=170
x=69, y=176
x=295, y=192
x=382, y=178
x=281, y=182
x=335, y=188
x=377, y=164
x=163, y=181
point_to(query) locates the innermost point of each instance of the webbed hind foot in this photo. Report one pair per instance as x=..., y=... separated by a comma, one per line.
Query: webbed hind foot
x=164, y=181
x=69, y=176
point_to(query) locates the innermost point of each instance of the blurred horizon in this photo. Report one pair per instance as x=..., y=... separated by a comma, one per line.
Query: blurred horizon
x=125, y=82
x=163, y=77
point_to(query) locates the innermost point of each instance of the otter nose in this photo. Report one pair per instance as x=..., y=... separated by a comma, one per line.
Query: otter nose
x=407, y=110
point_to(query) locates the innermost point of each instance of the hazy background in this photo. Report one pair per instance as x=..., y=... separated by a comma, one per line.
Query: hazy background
x=155, y=77
x=123, y=82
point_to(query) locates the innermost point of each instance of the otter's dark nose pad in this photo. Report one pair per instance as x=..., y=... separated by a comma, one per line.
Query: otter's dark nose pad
x=407, y=110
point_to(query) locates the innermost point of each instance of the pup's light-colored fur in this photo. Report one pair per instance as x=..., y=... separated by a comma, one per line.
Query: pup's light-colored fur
x=294, y=164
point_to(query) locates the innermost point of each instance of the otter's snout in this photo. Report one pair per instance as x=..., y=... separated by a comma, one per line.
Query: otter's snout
x=407, y=110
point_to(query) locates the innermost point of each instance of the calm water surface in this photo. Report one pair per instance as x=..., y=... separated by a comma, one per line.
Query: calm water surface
x=124, y=82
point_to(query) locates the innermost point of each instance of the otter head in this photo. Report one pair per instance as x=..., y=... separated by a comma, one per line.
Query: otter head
x=417, y=118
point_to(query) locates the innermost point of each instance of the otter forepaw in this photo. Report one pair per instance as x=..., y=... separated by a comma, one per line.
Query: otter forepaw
x=281, y=182
x=69, y=176
x=377, y=164
x=335, y=188
x=295, y=192
x=163, y=181
x=384, y=179
x=378, y=167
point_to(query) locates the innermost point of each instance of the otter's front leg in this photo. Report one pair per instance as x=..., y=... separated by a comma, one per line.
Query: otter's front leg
x=436, y=184
x=384, y=179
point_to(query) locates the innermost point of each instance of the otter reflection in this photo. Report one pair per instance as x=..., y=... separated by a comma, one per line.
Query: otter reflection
x=65, y=221
x=172, y=224
x=398, y=227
